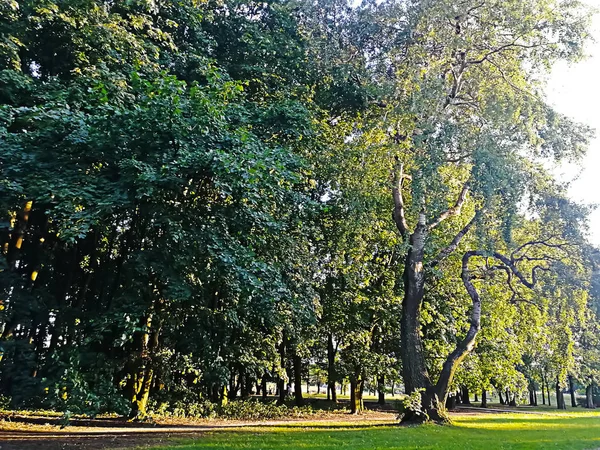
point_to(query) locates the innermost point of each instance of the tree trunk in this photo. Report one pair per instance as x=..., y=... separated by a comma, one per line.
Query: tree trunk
x=572, y=392
x=141, y=393
x=465, y=396
x=589, y=395
x=298, y=379
x=356, y=400
x=531, y=402
x=500, y=397
x=414, y=369
x=535, y=397
x=281, y=382
x=381, y=390
x=476, y=397
x=560, y=400
x=263, y=386
x=331, y=369
x=450, y=402
x=484, y=398
x=543, y=393
x=548, y=391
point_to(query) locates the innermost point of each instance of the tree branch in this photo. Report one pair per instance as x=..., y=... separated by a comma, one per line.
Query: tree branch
x=468, y=342
x=399, y=215
x=454, y=210
x=447, y=251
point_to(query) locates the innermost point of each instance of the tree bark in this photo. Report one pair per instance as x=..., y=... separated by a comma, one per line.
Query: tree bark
x=543, y=392
x=331, y=376
x=560, y=399
x=572, y=392
x=414, y=369
x=281, y=382
x=465, y=396
x=589, y=395
x=298, y=379
x=500, y=397
x=381, y=390
x=263, y=386
x=484, y=398
x=356, y=397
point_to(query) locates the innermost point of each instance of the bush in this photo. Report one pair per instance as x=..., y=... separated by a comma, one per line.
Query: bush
x=234, y=410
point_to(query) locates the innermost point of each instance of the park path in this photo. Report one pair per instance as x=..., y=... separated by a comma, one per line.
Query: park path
x=43, y=433
x=106, y=434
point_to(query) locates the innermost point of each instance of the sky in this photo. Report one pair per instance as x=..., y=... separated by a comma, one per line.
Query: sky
x=574, y=90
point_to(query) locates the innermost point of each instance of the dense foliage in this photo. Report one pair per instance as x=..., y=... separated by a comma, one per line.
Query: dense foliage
x=201, y=199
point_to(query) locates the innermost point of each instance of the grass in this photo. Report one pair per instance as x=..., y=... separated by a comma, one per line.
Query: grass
x=566, y=430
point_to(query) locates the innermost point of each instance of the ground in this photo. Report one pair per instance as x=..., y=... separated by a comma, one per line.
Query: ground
x=539, y=428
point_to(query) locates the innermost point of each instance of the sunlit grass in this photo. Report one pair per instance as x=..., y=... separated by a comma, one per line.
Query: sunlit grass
x=561, y=430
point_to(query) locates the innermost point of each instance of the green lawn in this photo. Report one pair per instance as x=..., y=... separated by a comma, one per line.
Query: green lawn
x=572, y=431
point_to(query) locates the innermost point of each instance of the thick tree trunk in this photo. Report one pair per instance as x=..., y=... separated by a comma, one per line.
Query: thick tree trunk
x=589, y=395
x=450, y=402
x=572, y=392
x=356, y=397
x=535, y=397
x=381, y=390
x=331, y=369
x=484, y=398
x=531, y=402
x=465, y=400
x=414, y=369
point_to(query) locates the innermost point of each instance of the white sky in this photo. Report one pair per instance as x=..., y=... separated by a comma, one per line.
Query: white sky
x=574, y=90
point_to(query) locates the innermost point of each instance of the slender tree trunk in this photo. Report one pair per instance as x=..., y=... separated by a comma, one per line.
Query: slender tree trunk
x=281, y=382
x=535, y=397
x=331, y=376
x=381, y=390
x=476, y=397
x=572, y=392
x=548, y=391
x=589, y=395
x=298, y=379
x=484, y=398
x=543, y=393
x=263, y=385
x=500, y=397
x=560, y=400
